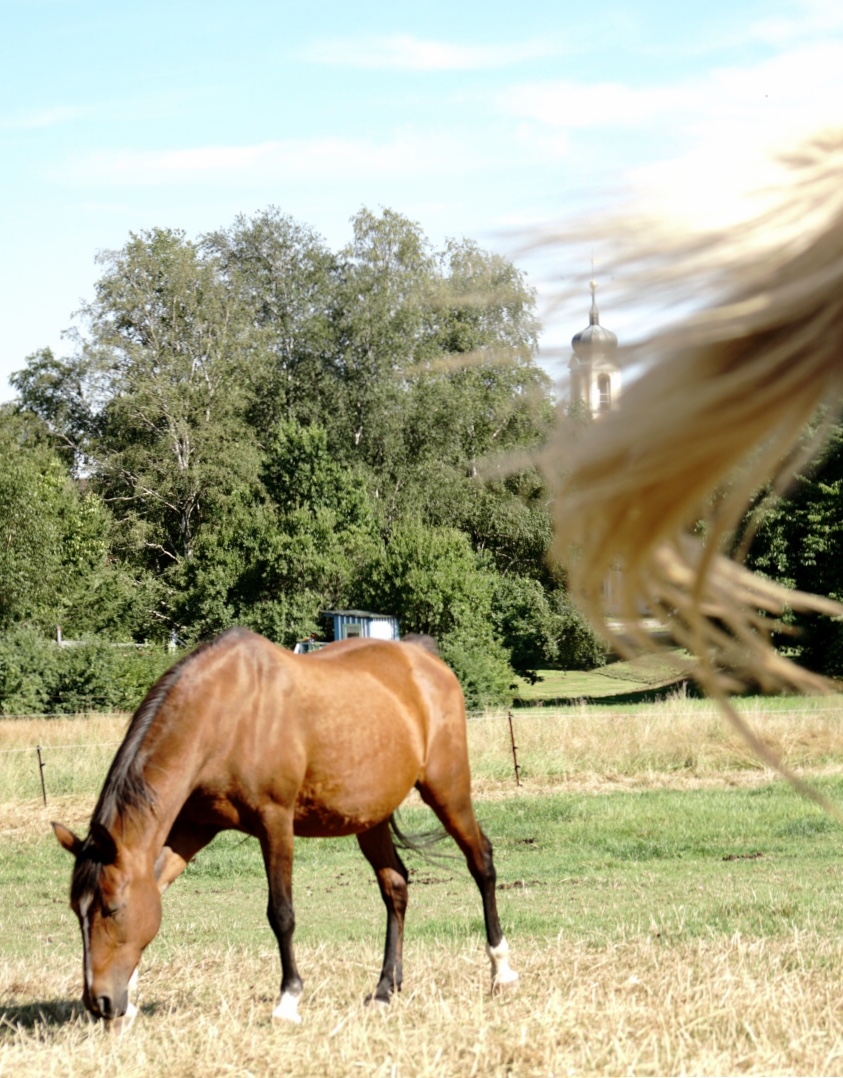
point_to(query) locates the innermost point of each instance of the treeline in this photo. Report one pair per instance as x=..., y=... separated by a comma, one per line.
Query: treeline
x=251, y=428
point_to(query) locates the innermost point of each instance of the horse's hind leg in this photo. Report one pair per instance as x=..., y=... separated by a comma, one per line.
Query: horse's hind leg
x=379, y=850
x=276, y=839
x=451, y=801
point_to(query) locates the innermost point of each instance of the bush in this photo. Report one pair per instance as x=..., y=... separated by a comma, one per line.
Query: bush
x=527, y=624
x=580, y=648
x=435, y=582
x=98, y=676
x=38, y=677
x=28, y=671
x=482, y=668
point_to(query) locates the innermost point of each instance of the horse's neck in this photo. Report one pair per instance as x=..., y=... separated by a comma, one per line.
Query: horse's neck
x=171, y=762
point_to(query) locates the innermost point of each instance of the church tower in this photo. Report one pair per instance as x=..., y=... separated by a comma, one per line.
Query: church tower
x=595, y=373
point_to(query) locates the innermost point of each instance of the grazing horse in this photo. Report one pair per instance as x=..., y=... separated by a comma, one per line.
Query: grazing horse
x=242, y=734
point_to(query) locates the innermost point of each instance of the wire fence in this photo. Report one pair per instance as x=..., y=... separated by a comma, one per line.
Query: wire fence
x=40, y=771
x=505, y=745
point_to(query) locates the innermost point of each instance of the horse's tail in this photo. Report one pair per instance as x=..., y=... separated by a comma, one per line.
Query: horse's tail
x=423, y=843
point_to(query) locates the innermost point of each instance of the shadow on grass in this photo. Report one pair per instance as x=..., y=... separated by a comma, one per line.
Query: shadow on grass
x=651, y=695
x=47, y=1013
x=50, y=1014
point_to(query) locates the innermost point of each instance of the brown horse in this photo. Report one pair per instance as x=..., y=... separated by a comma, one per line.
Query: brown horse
x=242, y=734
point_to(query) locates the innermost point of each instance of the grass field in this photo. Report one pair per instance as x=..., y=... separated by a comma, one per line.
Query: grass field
x=671, y=906
x=617, y=680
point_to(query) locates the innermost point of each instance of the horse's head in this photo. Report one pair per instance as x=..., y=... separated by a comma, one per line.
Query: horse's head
x=114, y=894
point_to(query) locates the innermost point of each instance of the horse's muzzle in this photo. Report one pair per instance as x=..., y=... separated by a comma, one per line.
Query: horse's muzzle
x=107, y=1007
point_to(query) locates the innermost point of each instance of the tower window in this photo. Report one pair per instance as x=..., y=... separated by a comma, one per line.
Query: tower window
x=604, y=393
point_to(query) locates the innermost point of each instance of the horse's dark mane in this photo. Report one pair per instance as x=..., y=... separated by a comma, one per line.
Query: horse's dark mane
x=126, y=788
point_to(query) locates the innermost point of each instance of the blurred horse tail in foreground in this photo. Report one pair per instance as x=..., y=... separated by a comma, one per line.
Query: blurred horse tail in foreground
x=659, y=491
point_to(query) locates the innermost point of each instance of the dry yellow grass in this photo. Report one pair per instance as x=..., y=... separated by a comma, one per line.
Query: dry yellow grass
x=638, y=1007
x=676, y=742
x=76, y=751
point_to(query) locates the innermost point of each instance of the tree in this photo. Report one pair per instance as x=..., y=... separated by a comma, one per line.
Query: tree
x=33, y=497
x=384, y=277
x=285, y=276
x=434, y=581
x=270, y=428
x=274, y=564
x=800, y=544
x=55, y=390
x=56, y=565
x=170, y=346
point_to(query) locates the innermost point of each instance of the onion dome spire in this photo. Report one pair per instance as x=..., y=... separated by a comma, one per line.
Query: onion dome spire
x=594, y=339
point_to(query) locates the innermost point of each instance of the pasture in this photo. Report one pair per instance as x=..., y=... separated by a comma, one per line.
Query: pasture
x=672, y=908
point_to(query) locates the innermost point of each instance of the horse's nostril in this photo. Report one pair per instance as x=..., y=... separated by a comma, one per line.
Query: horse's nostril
x=104, y=1007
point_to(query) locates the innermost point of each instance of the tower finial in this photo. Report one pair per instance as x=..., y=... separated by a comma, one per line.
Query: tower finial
x=594, y=315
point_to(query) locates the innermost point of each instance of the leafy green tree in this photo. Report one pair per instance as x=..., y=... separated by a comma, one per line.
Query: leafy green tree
x=800, y=544
x=33, y=498
x=527, y=624
x=56, y=563
x=170, y=346
x=265, y=428
x=285, y=276
x=273, y=565
x=435, y=582
x=55, y=390
x=385, y=274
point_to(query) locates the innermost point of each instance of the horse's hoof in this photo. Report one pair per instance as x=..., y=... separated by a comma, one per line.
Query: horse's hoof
x=503, y=975
x=504, y=980
x=287, y=1009
x=377, y=1004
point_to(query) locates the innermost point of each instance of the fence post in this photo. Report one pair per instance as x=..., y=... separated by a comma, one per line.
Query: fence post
x=514, y=750
x=41, y=772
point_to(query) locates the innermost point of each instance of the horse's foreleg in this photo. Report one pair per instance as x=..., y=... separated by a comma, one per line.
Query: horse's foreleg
x=458, y=819
x=379, y=850
x=277, y=845
x=184, y=841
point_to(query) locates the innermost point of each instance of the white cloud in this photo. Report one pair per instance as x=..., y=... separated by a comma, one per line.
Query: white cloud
x=811, y=18
x=717, y=132
x=32, y=119
x=407, y=53
x=570, y=105
x=800, y=88
x=311, y=160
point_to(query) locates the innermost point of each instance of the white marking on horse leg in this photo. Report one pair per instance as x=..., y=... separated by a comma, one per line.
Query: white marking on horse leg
x=131, y=1009
x=288, y=1008
x=122, y=1024
x=502, y=972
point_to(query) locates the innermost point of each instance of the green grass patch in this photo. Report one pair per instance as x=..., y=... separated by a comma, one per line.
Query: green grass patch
x=604, y=867
x=646, y=676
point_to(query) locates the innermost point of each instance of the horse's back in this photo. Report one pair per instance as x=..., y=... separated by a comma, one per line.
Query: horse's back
x=346, y=731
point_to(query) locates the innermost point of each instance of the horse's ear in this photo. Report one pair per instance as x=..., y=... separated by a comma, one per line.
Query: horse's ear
x=69, y=841
x=104, y=842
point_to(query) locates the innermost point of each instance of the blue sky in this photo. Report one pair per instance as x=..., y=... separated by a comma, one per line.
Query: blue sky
x=472, y=118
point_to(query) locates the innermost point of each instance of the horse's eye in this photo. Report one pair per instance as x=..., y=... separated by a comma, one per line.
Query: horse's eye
x=111, y=911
